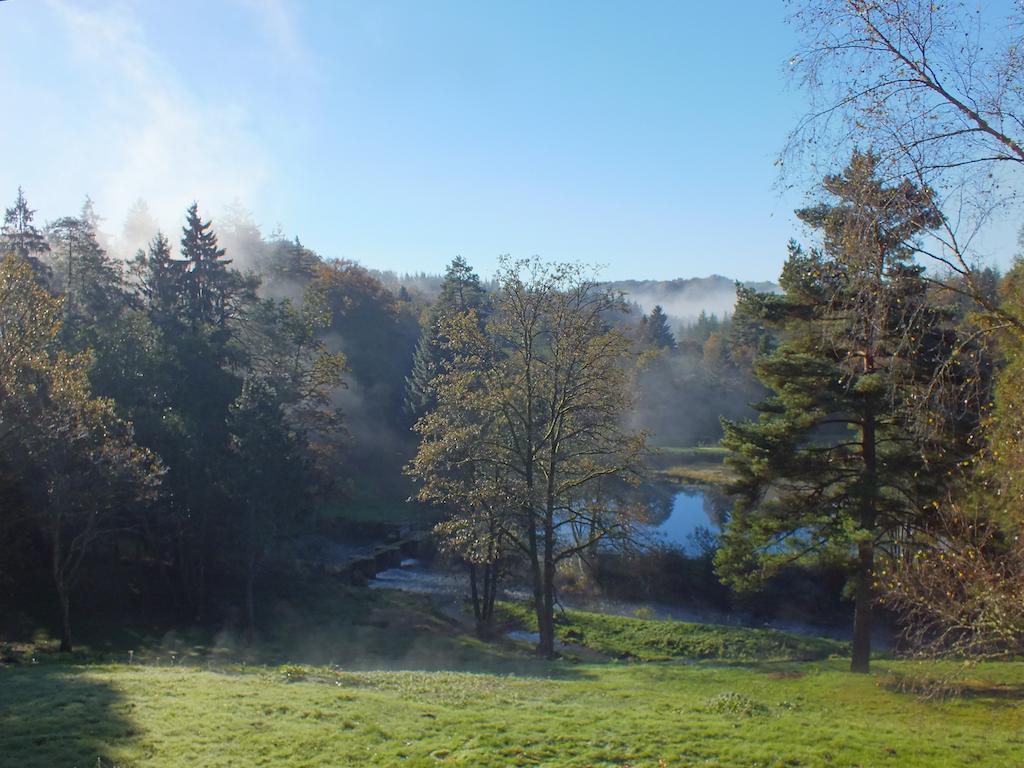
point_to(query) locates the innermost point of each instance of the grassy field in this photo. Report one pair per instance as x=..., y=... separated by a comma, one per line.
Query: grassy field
x=810, y=714
x=725, y=697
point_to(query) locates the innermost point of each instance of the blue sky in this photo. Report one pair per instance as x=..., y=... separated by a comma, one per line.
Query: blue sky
x=638, y=136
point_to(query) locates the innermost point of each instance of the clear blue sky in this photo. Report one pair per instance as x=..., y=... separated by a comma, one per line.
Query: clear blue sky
x=640, y=136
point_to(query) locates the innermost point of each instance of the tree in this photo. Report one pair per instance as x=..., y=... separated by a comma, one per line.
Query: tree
x=268, y=500
x=460, y=292
x=655, y=329
x=961, y=594
x=21, y=237
x=535, y=401
x=159, y=277
x=936, y=89
x=78, y=462
x=210, y=292
x=837, y=466
x=960, y=591
x=90, y=279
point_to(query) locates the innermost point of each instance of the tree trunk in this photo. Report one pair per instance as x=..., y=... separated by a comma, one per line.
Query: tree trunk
x=201, y=573
x=546, y=646
x=65, y=619
x=250, y=602
x=250, y=582
x=861, y=660
x=538, y=588
x=60, y=583
x=490, y=580
x=475, y=595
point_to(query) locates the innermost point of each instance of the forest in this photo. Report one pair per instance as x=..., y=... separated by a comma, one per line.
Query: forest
x=539, y=516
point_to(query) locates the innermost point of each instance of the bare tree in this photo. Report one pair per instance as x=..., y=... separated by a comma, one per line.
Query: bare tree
x=962, y=593
x=937, y=91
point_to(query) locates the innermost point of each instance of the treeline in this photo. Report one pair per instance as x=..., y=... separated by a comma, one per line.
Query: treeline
x=165, y=422
x=691, y=378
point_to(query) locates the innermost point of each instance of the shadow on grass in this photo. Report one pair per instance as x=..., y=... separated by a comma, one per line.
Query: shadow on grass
x=56, y=715
x=312, y=623
x=955, y=686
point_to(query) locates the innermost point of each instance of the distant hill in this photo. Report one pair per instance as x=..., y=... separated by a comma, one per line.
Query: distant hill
x=683, y=299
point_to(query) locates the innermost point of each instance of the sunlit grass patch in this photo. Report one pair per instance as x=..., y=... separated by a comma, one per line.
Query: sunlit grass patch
x=652, y=640
x=642, y=715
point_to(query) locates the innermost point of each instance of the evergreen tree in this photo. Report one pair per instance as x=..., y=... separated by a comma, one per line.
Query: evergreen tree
x=836, y=466
x=91, y=281
x=287, y=268
x=21, y=237
x=460, y=292
x=159, y=277
x=656, y=331
x=209, y=290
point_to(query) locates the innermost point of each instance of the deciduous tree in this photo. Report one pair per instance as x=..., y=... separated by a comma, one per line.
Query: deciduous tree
x=535, y=400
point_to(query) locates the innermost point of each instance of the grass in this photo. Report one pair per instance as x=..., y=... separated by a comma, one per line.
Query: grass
x=811, y=714
x=717, y=475
x=702, y=465
x=651, y=640
x=327, y=688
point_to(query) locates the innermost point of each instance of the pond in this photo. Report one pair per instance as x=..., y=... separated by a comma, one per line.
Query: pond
x=685, y=517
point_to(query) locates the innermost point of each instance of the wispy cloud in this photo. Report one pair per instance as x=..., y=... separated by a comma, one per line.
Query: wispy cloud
x=278, y=22
x=148, y=134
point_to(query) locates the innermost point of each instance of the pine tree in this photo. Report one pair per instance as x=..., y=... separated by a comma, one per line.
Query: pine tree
x=460, y=292
x=21, y=237
x=159, y=277
x=836, y=467
x=90, y=279
x=208, y=289
x=656, y=331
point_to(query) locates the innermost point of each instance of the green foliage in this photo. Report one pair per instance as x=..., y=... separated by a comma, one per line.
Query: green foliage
x=527, y=439
x=91, y=281
x=461, y=292
x=69, y=462
x=19, y=236
x=655, y=330
x=209, y=292
x=838, y=462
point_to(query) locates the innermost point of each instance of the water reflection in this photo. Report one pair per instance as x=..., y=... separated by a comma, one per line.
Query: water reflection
x=688, y=519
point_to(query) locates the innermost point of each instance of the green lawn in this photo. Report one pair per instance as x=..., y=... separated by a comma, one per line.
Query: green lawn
x=723, y=698
x=811, y=714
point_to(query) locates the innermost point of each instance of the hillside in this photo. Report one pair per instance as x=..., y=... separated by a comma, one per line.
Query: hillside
x=683, y=299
